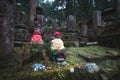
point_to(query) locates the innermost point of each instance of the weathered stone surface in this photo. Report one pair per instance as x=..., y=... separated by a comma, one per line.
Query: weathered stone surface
x=91, y=58
x=110, y=36
x=21, y=17
x=97, y=18
x=70, y=39
x=83, y=34
x=71, y=23
x=84, y=29
x=40, y=19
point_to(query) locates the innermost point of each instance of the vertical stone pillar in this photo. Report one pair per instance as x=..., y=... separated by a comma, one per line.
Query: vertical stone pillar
x=96, y=20
x=54, y=24
x=39, y=17
x=84, y=31
x=21, y=17
x=71, y=23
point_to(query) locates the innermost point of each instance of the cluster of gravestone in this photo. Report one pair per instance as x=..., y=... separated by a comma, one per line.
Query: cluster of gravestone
x=24, y=31
x=21, y=32
x=74, y=34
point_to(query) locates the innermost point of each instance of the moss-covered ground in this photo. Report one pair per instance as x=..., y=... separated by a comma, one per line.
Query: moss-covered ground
x=109, y=68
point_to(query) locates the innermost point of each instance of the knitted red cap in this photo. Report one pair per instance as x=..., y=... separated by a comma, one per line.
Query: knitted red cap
x=57, y=33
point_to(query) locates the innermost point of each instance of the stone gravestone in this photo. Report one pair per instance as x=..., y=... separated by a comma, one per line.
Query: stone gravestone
x=70, y=36
x=71, y=23
x=21, y=30
x=96, y=20
x=83, y=31
x=40, y=19
x=21, y=17
x=54, y=24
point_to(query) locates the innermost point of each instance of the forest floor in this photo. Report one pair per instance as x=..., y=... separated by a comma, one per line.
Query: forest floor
x=9, y=67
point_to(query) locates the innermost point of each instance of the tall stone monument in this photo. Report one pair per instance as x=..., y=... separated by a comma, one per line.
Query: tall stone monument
x=97, y=22
x=39, y=17
x=97, y=18
x=83, y=32
x=71, y=23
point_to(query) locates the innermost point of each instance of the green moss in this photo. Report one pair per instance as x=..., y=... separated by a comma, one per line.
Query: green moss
x=8, y=69
x=88, y=50
x=63, y=74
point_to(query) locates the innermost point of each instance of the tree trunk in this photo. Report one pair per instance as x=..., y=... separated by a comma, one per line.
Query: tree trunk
x=118, y=8
x=33, y=5
x=7, y=27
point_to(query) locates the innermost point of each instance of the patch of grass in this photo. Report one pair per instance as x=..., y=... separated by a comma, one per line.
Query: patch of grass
x=89, y=50
x=72, y=56
x=9, y=71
